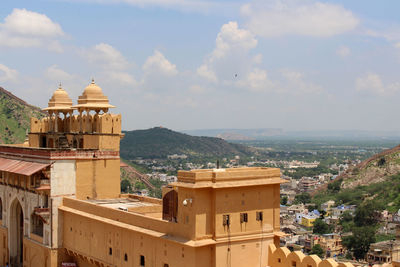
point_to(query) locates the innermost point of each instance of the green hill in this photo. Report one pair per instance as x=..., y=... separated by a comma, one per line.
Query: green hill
x=377, y=178
x=15, y=117
x=160, y=142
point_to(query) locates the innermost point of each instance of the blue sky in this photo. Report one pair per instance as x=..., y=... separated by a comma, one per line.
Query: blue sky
x=194, y=64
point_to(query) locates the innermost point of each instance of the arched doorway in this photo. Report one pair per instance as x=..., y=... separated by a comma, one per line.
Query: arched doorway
x=16, y=233
x=170, y=206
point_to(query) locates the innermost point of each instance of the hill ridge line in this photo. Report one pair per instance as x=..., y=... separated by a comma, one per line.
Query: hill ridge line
x=2, y=90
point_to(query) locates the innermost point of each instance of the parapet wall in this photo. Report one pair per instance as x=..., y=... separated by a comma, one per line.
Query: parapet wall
x=282, y=257
x=104, y=123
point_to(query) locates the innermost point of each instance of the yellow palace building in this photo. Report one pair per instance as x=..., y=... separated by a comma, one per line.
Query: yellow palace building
x=61, y=204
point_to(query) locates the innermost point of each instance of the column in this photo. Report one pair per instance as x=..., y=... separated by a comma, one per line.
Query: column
x=80, y=121
x=70, y=120
x=56, y=122
x=88, y=121
x=65, y=121
x=50, y=122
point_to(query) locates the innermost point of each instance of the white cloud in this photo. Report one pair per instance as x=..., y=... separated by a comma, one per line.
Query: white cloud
x=7, y=74
x=205, y=72
x=309, y=17
x=113, y=65
x=24, y=28
x=397, y=45
x=28, y=23
x=257, y=59
x=372, y=82
x=54, y=73
x=295, y=82
x=231, y=38
x=106, y=56
x=230, y=55
x=197, y=6
x=55, y=46
x=197, y=89
x=232, y=64
x=343, y=51
x=123, y=78
x=157, y=63
x=257, y=81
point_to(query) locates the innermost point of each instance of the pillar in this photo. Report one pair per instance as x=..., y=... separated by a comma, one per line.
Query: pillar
x=70, y=120
x=87, y=120
x=50, y=121
x=65, y=121
x=56, y=122
x=80, y=121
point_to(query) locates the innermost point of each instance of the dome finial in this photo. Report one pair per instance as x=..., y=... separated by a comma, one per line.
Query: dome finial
x=59, y=86
x=92, y=80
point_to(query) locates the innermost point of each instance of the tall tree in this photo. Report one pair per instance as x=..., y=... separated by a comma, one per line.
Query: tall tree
x=321, y=227
x=359, y=242
x=318, y=250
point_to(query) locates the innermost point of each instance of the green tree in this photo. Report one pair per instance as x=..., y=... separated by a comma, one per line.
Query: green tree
x=302, y=198
x=284, y=200
x=139, y=185
x=360, y=241
x=321, y=227
x=346, y=221
x=334, y=187
x=318, y=250
x=126, y=186
x=367, y=214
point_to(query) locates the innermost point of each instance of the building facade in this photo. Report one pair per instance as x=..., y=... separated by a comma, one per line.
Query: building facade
x=61, y=202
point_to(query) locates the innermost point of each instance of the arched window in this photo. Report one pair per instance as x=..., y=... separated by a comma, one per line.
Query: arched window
x=170, y=206
x=36, y=225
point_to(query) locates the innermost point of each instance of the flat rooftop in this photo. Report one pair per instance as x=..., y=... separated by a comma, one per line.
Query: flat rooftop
x=133, y=204
x=233, y=177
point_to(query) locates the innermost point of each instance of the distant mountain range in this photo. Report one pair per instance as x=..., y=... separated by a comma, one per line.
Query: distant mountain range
x=160, y=142
x=277, y=133
x=237, y=134
x=15, y=116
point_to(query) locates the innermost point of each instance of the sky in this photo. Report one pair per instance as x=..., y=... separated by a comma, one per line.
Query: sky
x=202, y=64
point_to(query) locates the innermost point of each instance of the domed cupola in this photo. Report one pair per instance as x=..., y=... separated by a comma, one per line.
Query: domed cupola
x=60, y=101
x=93, y=98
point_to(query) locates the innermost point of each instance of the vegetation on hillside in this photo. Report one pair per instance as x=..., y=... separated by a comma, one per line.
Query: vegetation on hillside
x=363, y=226
x=309, y=172
x=15, y=117
x=374, y=169
x=386, y=194
x=160, y=142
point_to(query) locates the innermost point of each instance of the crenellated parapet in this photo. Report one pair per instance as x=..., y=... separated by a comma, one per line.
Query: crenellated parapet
x=282, y=257
x=93, y=123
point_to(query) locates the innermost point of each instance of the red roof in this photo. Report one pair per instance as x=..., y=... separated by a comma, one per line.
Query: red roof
x=123, y=164
x=43, y=187
x=21, y=166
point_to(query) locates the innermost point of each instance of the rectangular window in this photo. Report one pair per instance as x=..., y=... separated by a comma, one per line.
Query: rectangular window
x=109, y=251
x=142, y=260
x=259, y=216
x=226, y=220
x=243, y=217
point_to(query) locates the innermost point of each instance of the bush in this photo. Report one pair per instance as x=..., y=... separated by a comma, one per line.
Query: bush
x=317, y=250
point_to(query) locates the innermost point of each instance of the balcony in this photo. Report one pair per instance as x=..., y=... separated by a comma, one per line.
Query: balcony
x=43, y=185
